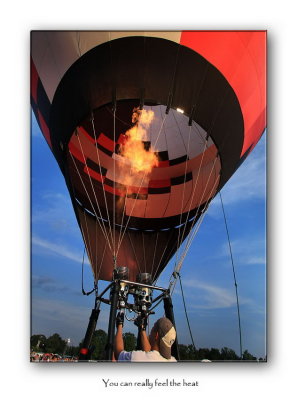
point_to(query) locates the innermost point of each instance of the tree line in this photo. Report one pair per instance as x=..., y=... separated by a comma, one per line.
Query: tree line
x=56, y=345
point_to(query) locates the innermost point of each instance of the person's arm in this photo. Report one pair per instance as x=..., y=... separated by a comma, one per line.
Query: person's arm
x=119, y=342
x=145, y=344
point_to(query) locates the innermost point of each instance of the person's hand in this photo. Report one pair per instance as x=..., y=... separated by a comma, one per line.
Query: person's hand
x=120, y=319
x=141, y=322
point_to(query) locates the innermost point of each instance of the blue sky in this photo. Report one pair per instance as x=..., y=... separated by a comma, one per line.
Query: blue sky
x=207, y=277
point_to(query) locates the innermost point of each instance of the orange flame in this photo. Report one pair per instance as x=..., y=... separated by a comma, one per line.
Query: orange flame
x=141, y=159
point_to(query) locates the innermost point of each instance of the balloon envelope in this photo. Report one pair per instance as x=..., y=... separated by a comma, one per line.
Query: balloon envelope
x=146, y=127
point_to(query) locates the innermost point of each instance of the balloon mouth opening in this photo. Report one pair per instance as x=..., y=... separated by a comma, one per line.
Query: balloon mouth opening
x=105, y=149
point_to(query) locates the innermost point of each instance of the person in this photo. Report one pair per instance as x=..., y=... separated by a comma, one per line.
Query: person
x=155, y=348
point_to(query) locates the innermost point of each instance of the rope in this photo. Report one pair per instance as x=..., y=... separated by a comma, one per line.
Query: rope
x=234, y=276
x=153, y=262
x=91, y=203
x=88, y=242
x=102, y=258
x=114, y=183
x=178, y=266
x=189, y=240
x=143, y=246
x=82, y=277
x=204, y=140
x=99, y=164
x=161, y=258
x=191, y=236
x=185, y=308
x=191, y=201
x=194, y=229
x=113, y=80
x=182, y=203
x=136, y=258
x=126, y=226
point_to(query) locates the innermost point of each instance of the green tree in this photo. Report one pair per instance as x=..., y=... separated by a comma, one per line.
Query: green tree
x=55, y=344
x=193, y=354
x=183, y=351
x=37, y=342
x=247, y=356
x=203, y=353
x=98, y=342
x=228, y=354
x=129, y=341
x=214, y=354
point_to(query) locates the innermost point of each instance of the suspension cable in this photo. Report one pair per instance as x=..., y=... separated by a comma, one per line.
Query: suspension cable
x=100, y=169
x=183, y=196
x=82, y=277
x=132, y=209
x=191, y=201
x=194, y=231
x=102, y=226
x=114, y=188
x=185, y=308
x=234, y=276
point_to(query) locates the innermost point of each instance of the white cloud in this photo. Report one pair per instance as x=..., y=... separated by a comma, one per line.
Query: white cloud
x=57, y=310
x=247, y=252
x=56, y=196
x=50, y=285
x=256, y=260
x=211, y=296
x=55, y=211
x=58, y=250
x=69, y=320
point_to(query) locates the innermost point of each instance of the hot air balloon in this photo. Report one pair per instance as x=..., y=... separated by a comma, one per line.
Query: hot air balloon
x=146, y=127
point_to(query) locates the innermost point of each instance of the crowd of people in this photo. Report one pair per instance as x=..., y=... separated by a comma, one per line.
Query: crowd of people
x=50, y=357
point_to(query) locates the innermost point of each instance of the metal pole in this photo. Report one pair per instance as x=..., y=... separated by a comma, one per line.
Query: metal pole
x=143, y=285
x=84, y=353
x=138, y=344
x=168, y=308
x=112, y=320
